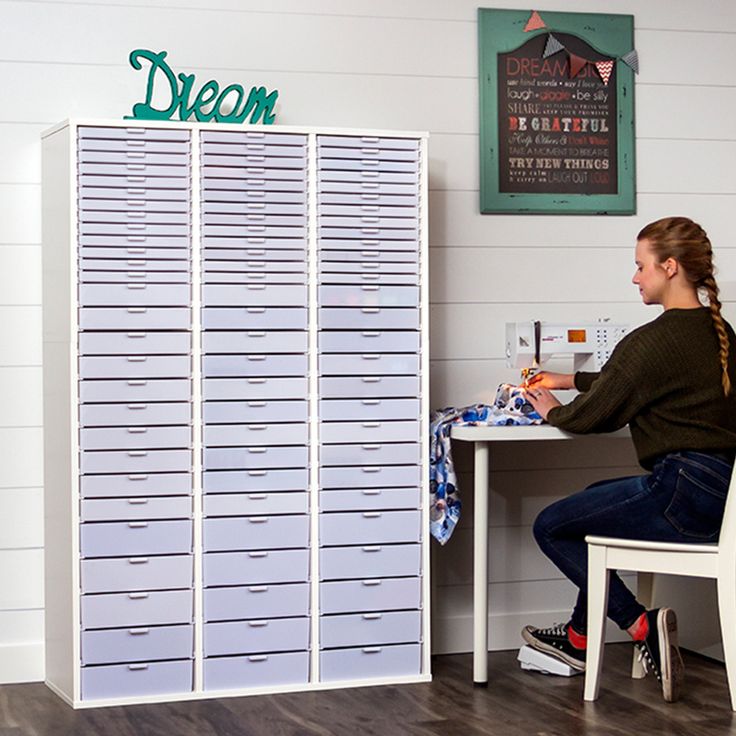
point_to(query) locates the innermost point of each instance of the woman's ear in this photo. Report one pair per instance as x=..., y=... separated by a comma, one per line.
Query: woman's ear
x=671, y=267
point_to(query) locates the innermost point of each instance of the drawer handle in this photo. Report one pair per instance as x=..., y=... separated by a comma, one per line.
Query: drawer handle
x=370, y=207
x=368, y=196
x=370, y=265
x=137, y=560
x=255, y=310
x=136, y=275
x=137, y=666
x=364, y=287
x=371, y=491
x=255, y=357
x=256, y=275
x=135, y=251
x=371, y=447
x=372, y=469
x=257, y=404
x=258, y=658
x=138, y=524
x=137, y=383
x=253, y=170
x=138, y=477
x=373, y=548
x=370, y=310
x=137, y=262
x=256, y=194
x=137, y=310
x=256, y=427
x=255, y=205
x=370, y=425
x=257, y=496
x=372, y=616
x=372, y=514
x=137, y=453
x=137, y=191
x=256, y=159
x=254, y=252
x=138, y=632
x=366, y=220
x=371, y=379
x=256, y=380
x=371, y=583
x=137, y=406
x=255, y=216
x=136, y=214
x=258, y=589
x=257, y=554
x=367, y=276
x=369, y=173
x=256, y=229
x=256, y=264
x=255, y=287
x=137, y=359
x=135, y=202
x=135, y=167
x=257, y=182
x=137, y=596
x=257, y=473
x=256, y=450
x=138, y=501
x=370, y=254
x=370, y=150
x=257, y=623
x=258, y=519
x=370, y=231
x=136, y=179
x=255, y=146
x=370, y=402
x=134, y=335
x=256, y=240
x=256, y=334
x=372, y=650
x=371, y=356
x=137, y=430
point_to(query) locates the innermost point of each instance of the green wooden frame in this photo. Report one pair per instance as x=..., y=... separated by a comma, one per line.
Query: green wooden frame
x=501, y=31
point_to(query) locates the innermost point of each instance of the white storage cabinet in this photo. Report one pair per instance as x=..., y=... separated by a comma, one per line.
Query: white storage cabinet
x=235, y=410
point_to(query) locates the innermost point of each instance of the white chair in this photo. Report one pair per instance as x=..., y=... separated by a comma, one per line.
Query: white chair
x=647, y=558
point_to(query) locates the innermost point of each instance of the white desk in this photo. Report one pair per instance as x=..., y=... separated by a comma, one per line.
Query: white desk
x=482, y=437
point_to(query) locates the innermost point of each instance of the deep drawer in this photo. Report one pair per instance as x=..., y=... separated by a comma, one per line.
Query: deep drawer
x=255, y=458
x=255, y=481
x=368, y=318
x=370, y=662
x=256, y=636
x=110, y=539
x=256, y=601
x=365, y=629
x=365, y=364
x=256, y=568
x=401, y=453
x=249, y=435
x=215, y=412
x=134, y=295
x=370, y=476
x=135, y=318
x=368, y=341
x=259, y=670
x=368, y=296
x=141, y=644
x=136, y=508
x=136, y=573
x=370, y=387
x=254, y=318
x=254, y=295
x=134, y=343
x=370, y=527
x=132, y=680
x=369, y=499
x=110, y=610
x=370, y=561
x=254, y=388
x=255, y=532
x=368, y=409
x=255, y=341
x=371, y=432
x=256, y=504
x=383, y=594
x=215, y=366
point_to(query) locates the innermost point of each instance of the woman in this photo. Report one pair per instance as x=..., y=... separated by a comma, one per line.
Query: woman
x=671, y=381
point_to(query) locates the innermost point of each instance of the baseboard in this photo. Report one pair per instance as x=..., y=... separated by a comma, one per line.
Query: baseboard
x=454, y=635
x=22, y=663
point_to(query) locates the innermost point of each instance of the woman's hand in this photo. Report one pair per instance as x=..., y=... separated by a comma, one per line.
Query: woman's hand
x=542, y=400
x=546, y=379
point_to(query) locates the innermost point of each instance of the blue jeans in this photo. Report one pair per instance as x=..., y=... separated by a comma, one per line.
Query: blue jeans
x=682, y=500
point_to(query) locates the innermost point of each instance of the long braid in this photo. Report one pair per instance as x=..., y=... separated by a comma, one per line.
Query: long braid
x=714, y=303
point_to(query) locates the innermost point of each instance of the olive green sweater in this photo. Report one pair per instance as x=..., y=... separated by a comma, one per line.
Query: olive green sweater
x=664, y=381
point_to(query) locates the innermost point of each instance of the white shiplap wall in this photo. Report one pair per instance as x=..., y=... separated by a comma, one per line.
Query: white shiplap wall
x=387, y=64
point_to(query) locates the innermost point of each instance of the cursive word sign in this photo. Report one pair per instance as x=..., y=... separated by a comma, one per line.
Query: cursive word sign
x=226, y=105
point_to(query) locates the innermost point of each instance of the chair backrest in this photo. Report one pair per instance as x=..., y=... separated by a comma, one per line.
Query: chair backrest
x=727, y=537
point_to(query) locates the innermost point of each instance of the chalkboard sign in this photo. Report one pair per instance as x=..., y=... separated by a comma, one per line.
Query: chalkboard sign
x=555, y=137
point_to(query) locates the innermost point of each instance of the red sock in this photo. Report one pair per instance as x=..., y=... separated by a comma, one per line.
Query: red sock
x=579, y=641
x=642, y=628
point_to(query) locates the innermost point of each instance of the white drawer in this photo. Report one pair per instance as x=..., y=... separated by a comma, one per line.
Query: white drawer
x=255, y=481
x=406, y=221
x=135, y=366
x=364, y=629
x=368, y=318
x=352, y=256
x=125, y=181
x=357, y=207
x=369, y=341
x=246, y=137
x=135, y=215
x=128, y=415
x=256, y=636
x=132, y=264
x=287, y=178
x=134, y=343
x=362, y=242
x=142, y=644
x=133, y=680
x=369, y=387
x=136, y=609
x=245, y=231
x=396, y=200
x=381, y=279
x=255, y=458
x=136, y=461
x=370, y=561
x=369, y=499
x=143, y=277
x=254, y=365
x=136, y=508
x=354, y=179
x=371, y=476
x=370, y=527
x=215, y=412
x=369, y=432
x=368, y=154
x=383, y=594
x=263, y=206
x=134, y=295
x=256, y=504
x=368, y=296
x=270, y=150
x=255, y=341
x=370, y=662
x=399, y=453
x=254, y=318
x=133, y=538
x=212, y=194
x=89, y=132
x=135, y=391
x=213, y=184
x=365, y=141
x=255, y=568
x=112, y=200
x=136, y=169
x=366, y=364
x=134, y=438
x=368, y=409
x=367, y=266
x=255, y=266
x=210, y=160
x=254, y=389
x=165, y=256
x=254, y=295
x=249, y=435
x=256, y=601
x=214, y=276
x=135, y=319
x=256, y=217
x=255, y=532
x=136, y=573
x=142, y=484
x=256, y=670
x=265, y=244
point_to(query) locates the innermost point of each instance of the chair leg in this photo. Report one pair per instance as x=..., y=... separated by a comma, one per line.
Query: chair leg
x=597, y=604
x=645, y=594
x=727, y=611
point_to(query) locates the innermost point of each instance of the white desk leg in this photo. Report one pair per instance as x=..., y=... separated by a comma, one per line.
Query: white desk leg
x=480, y=566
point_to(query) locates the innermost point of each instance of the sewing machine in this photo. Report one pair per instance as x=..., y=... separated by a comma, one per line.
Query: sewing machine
x=529, y=344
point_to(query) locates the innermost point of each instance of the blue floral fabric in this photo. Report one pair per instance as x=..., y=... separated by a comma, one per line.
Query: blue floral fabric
x=509, y=407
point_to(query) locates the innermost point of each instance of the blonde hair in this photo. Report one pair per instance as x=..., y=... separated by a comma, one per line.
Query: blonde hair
x=685, y=241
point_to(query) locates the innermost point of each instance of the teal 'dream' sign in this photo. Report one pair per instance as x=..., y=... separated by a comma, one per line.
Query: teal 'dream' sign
x=226, y=105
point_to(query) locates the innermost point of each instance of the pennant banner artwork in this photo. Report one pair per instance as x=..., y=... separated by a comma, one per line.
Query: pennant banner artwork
x=552, y=47
x=604, y=69
x=534, y=23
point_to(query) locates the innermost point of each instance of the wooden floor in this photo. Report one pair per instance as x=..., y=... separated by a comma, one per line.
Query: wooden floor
x=516, y=704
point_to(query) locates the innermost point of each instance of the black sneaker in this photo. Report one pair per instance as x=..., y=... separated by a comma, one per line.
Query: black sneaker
x=554, y=641
x=659, y=652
